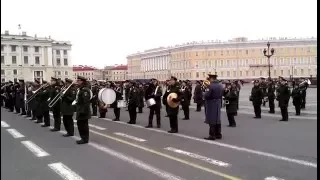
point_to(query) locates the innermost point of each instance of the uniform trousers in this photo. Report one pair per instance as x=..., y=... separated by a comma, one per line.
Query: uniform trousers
x=46, y=118
x=57, y=119
x=83, y=128
x=132, y=113
x=232, y=121
x=154, y=110
x=68, y=124
x=116, y=112
x=173, y=118
x=271, y=105
x=284, y=112
x=186, y=111
x=199, y=106
x=94, y=109
x=303, y=102
x=298, y=109
x=257, y=110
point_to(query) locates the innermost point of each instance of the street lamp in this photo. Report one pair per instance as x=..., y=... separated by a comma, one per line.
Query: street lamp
x=268, y=53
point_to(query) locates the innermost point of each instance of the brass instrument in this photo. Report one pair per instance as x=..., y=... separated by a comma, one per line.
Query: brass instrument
x=205, y=84
x=36, y=92
x=170, y=102
x=60, y=95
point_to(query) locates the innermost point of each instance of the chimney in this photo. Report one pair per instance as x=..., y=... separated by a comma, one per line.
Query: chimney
x=6, y=32
x=24, y=33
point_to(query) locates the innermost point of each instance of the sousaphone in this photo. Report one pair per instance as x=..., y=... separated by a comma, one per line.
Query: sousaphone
x=170, y=102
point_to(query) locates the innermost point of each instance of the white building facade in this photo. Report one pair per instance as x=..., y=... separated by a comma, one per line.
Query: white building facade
x=30, y=58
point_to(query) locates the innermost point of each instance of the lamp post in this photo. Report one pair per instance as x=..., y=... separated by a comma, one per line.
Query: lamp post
x=268, y=53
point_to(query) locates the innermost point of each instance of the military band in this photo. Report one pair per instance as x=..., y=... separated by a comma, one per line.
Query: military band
x=64, y=99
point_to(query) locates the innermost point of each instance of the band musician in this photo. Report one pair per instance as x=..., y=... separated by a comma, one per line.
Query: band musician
x=154, y=91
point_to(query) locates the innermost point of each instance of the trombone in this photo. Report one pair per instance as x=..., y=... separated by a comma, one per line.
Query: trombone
x=36, y=92
x=60, y=95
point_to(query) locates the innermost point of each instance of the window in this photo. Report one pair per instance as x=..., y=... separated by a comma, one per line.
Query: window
x=247, y=73
x=14, y=59
x=15, y=72
x=59, y=73
x=222, y=74
x=2, y=72
x=65, y=52
x=203, y=74
x=3, y=80
x=2, y=59
x=58, y=62
x=295, y=72
x=36, y=49
x=37, y=60
x=289, y=73
x=2, y=47
x=57, y=52
x=260, y=72
x=253, y=73
x=247, y=52
x=15, y=80
x=196, y=53
x=38, y=74
x=234, y=73
x=302, y=72
x=65, y=62
x=240, y=74
x=275, y=72
x=25, y=48
x=309, y=72
x=221, y=53
x=197, y=74
x=228, y=73
x=25, y=59
x=13, y=48
x=281, y=72
x=66, y=73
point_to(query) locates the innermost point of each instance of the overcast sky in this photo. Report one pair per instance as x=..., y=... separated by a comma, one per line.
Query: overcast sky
x=104, y=32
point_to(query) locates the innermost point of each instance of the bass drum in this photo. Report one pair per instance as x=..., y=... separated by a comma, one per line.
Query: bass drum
x=107, y=95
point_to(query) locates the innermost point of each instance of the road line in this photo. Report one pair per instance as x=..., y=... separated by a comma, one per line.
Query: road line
x=242, y=149
x=36, y=150
x=129, y=137
x=273, y=178
x=94, y=126
x=4, y=124
x=64, y=171
x=199, y=157
x=226, y=176
x=158, y=172
x=15, y=133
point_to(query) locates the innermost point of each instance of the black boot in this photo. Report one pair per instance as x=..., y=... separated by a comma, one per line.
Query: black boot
x=217, y=132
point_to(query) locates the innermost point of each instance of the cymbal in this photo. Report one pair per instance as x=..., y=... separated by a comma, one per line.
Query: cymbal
x=170, y=102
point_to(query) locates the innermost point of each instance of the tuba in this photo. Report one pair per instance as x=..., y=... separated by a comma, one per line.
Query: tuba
x=170, y=102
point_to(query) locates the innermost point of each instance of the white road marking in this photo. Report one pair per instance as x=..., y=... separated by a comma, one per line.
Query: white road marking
x=242, y=149
x=200, y=157
x=36, y=150
x=15, y=133
x=4, y=124
x=64, y=171
x=273, y=178
x=94, y=126
x=158, y=172
x=129, y=137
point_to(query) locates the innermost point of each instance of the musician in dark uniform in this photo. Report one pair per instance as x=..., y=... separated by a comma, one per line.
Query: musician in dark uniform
x=173, y=112
x=303, y=88
x=67, y=109
x=83, y=111
x=116, y=109
x=296, y=97
x=198, y=96
x=154, y=91
x=16, y=97
x=271, y=96
x=256, y=98
x=94, y=100
x=28, y=93
x=20, y=97
x=55, y=89
x=41, y=102
x=230, y=95
x=213, y=101
x=283, y=98
x=186, y=98
x=32, y=104
x=132, y=102
x=164, y=98
x=103, y=108
x=238, y=85
x=126, y=91
x=140, y=98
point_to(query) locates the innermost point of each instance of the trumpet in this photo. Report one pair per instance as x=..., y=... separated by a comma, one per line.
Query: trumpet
x=36, y=92
x=59, y=95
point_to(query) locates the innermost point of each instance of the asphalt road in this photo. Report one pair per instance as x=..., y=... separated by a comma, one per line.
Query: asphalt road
x=256, y=149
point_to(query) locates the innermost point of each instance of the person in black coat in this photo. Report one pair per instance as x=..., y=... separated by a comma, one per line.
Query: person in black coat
x=283, y=98
x=231, y=99
x=116, y=110
x=132, y=102
x=296, y=97
x=271, y=96
x=198, y=96
x=256, y=98
x=154, y=90
x=140, y=98
x=185, y=101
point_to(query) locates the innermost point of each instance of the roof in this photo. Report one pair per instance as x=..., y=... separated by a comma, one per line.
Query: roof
x=120, y=67
x=83, y=68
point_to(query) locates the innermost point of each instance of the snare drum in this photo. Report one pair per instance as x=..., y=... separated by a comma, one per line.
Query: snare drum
x=150, y=102
x=121, y=104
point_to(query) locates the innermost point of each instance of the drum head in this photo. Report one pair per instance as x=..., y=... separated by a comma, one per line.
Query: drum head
x=108, y=96
x=100, y=93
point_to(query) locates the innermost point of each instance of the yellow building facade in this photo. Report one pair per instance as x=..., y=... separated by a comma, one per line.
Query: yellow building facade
x=235, y=59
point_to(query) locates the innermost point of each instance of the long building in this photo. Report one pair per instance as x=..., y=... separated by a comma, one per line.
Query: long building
x=236, y=59
x=89, y=72
x=30, y=58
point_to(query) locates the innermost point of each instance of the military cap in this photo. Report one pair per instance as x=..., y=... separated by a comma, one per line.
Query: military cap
x=54, y=79
x=173, y=78
x=44, y=82
x=256, y=81
x=81, y=78
x=37, y=81
x=213, y=76
x=21, y=80
x=68, y=80
x=262, y=78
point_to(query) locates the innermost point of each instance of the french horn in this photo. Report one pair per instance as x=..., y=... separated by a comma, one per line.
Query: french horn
x=170, y=102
